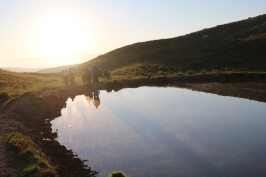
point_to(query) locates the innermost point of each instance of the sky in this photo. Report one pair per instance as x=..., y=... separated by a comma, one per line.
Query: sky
x=60, y=29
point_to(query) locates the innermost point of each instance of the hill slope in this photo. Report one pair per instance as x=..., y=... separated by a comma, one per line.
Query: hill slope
x=56, y=69
x=13, y=85
x=238, y=46
x=20, y=70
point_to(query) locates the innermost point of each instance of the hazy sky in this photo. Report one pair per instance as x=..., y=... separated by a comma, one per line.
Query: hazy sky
x=57, y=28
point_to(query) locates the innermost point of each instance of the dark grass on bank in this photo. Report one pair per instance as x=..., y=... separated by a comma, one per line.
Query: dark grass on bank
x=36, y=163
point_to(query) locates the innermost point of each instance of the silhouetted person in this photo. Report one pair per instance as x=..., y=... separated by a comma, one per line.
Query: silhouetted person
x=95, y=72
x=66, y=78
x=71, y=77
x=86, y=77
x=106, y=74
x=89, y=75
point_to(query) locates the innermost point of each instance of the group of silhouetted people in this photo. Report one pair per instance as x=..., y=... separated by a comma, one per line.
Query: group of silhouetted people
x=69, y=77
x=89, y=76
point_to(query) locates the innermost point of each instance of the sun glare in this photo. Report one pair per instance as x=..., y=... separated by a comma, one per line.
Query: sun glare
x=62, y=35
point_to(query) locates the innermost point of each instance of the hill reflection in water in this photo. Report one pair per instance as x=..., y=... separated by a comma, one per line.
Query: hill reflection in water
x=151, y=131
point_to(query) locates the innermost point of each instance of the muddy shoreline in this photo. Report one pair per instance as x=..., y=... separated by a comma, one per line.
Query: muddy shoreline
x=33, y=115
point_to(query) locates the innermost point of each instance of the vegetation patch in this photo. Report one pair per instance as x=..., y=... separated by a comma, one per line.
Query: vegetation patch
x=54, y=134
x=13, y=85
x=117, y=174
x=36, y=96
x=36, y=163
x=3, y=96
x=9, y=102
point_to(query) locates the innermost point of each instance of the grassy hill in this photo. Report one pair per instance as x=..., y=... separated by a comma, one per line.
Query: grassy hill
x=229, y=48
x=235, y=47
x=13, y=85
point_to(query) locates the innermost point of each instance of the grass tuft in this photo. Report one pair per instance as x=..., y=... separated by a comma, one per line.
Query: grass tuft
x=36, y=163
x=55, y=134
x=117, y=174
x=32, y=170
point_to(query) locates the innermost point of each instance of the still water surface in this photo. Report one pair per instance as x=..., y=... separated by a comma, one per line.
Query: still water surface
x=152, y=131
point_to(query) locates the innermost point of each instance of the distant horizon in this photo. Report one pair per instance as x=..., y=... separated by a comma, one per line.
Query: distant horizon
x=20, y=63
x=34, y=29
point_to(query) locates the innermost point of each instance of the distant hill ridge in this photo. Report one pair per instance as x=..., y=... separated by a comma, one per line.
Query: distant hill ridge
x=56, y=69
x=238, y=45
x=17, y=69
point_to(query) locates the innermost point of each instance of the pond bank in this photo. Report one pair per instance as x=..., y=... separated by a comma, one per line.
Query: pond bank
x=31, y=116
x=248, y=86
x=203, y=78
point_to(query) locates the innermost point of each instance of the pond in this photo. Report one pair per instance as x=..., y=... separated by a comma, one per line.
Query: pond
x=166, y=131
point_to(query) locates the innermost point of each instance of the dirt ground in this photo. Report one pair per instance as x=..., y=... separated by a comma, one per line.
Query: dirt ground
x=9, y=162
x=32, y=117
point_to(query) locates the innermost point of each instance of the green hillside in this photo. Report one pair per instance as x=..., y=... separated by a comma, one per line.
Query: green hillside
x=235, y=47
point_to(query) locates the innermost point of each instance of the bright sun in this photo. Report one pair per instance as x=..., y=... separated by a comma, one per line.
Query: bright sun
x=62, y=35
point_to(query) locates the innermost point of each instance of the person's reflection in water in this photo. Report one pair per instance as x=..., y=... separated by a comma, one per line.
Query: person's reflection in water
x=96, y=99
x=88, y=99
x=89, y=95
x=72, y=97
